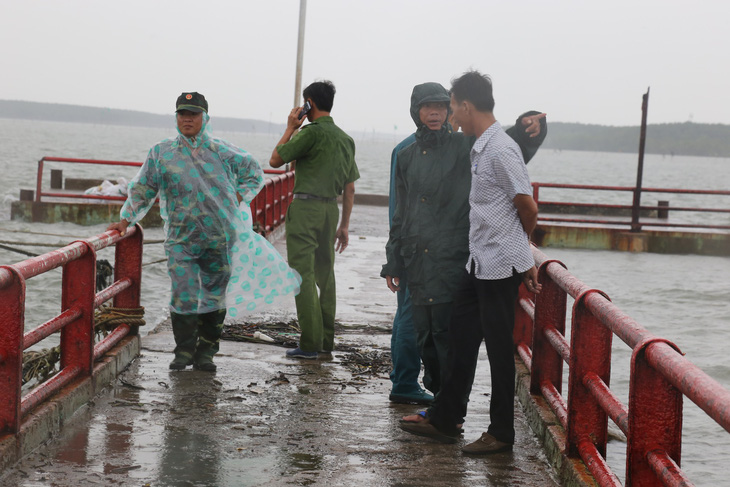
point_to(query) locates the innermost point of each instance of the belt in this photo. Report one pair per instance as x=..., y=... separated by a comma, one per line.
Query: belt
x=305, y=196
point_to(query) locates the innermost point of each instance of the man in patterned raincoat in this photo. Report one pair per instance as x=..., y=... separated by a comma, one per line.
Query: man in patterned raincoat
x=214, y=257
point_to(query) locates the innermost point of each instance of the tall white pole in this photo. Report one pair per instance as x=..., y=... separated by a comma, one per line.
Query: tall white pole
x=300, y=53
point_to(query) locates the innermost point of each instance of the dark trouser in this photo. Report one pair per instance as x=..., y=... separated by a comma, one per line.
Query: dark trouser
x=432, y=333
x=404, y=346
x=483, y=310
x=197, y=336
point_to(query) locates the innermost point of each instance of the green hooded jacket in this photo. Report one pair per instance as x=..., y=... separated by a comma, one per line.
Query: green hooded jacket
x=429, y=234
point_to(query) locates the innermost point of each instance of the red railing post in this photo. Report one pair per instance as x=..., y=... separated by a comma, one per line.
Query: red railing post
x=128, y=265
x=550, y=312
x=254, y=210
x=590, y=352
x=12, y=320
x=269, y=207
x=278, y=192
x=523, y=321
x=655, y=417
x=78, y=291
x=261, y=209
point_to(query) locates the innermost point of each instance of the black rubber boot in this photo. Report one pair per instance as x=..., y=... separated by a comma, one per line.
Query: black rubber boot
x=211, y=329
x=185, y=330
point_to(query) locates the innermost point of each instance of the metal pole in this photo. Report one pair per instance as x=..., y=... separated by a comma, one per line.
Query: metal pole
x=635, y=225
x=300, y=52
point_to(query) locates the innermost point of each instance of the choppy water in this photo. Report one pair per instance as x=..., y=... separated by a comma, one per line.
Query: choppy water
x=683, y=298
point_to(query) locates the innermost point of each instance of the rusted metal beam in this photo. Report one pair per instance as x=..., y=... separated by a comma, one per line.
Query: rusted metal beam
x=635, y=225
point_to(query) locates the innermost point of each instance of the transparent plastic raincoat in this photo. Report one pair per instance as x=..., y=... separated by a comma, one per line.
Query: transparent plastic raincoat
x=215, y=259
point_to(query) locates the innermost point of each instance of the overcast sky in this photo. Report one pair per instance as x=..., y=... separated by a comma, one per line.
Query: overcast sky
x=579, y=61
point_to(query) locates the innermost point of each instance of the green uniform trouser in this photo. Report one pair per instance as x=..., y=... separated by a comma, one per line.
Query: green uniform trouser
x=311, y=226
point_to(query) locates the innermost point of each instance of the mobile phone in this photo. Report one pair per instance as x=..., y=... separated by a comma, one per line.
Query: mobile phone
x=305, y=109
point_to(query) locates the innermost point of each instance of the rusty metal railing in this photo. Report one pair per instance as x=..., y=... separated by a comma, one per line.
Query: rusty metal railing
x=660, y=378
x=75, y=322
x=268, y=207
x=545, y=206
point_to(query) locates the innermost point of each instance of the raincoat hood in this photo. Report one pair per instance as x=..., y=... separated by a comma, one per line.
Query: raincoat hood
x=204, y=134
x=429, y=93
x=426, y=93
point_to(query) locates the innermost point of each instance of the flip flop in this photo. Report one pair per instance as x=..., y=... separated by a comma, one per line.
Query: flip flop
x=422, y=414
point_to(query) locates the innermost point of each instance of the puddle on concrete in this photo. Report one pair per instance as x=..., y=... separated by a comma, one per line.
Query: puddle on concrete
x=251, y=424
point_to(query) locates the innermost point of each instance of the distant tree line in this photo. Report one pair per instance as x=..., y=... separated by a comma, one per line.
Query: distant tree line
x=693, y=139
x=56, y=112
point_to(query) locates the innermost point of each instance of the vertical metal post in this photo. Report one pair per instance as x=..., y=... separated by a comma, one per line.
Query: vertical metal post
x=300, y=52
x=270, y=211
x=128, y=265
x=79, y=291
x=280, y=195
x=12, y=317
x=655, y=417
x=300, y=58
x=523, y=321
x=635, y=225
x=590, y=352
x=550, y=312
x=39, y=181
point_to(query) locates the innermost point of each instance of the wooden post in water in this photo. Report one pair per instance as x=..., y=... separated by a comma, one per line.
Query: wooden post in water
x=635, y=225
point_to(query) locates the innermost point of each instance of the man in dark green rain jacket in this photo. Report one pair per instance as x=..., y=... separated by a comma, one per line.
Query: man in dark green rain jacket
x=429, y=235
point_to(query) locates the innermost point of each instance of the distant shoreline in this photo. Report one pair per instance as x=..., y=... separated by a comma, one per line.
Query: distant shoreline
x=688, y=139
x=56, y=112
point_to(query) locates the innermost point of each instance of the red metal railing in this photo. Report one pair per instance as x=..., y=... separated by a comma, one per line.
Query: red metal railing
x=545, y=206
x=660, y=378
x=79, y=300
x=39, y=193
x=268, y=207
x=76, y=320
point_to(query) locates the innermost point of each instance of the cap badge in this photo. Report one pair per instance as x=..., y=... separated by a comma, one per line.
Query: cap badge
x=188, y=97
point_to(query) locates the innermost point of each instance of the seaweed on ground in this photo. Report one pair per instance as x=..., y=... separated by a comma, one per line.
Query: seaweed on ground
x=361, y=361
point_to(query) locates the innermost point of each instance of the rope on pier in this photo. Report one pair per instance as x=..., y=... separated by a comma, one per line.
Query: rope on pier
x=18, y=251
x=154, y=262
x=107, y=318
x=41, y=364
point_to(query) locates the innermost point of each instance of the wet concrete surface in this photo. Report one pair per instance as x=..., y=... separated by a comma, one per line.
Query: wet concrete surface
x=264, y=419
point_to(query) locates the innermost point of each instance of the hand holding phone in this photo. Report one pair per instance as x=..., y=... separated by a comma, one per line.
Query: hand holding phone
x=305, y=109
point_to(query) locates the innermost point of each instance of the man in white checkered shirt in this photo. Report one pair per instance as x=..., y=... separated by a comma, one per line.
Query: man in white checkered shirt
x=502, y=216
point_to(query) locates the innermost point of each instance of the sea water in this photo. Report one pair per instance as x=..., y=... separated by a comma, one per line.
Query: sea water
x=684, y=298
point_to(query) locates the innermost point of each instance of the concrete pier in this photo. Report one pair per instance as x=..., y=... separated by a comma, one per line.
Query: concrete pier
x=264, y=419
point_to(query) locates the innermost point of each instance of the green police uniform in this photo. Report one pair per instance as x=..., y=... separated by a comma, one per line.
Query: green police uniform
x=325, y=163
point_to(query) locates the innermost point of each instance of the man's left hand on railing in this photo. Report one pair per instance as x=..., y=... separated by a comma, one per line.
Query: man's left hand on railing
x=120, y=226
x=529, y=278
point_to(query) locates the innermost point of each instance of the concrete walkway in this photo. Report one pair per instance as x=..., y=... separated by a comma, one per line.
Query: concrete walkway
x=263, y=419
